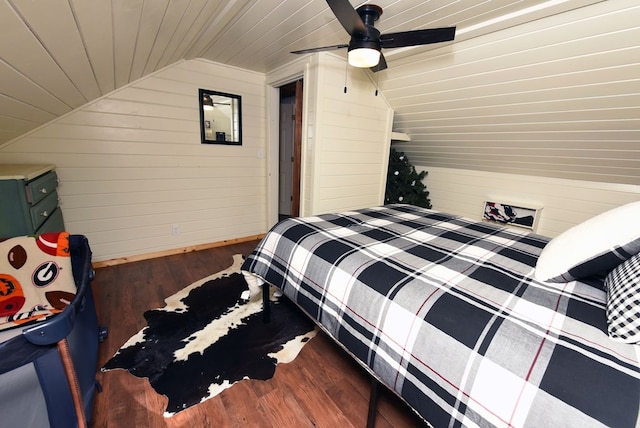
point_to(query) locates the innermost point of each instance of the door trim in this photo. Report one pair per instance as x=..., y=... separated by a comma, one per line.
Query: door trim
x=297, y=150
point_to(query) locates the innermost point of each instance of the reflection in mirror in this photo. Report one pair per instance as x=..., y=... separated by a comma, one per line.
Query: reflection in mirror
x=220, y=118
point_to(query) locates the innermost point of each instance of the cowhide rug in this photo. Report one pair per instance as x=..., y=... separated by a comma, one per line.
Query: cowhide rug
x=208, y=337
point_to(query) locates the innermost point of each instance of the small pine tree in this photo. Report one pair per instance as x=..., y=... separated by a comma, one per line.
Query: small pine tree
x=404, y=184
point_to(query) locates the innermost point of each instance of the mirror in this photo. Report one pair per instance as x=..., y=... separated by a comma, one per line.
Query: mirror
x=220, y=118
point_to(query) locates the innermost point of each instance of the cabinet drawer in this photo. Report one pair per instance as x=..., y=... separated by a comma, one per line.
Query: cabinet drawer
x=41, y=187
x=54, y=223
x=43, y=209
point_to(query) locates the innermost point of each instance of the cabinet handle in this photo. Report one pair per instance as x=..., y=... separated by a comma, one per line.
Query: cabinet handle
x=43, y=190
x=44, y=214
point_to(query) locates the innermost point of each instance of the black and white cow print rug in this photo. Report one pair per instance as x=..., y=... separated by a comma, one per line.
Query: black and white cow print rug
x=208, y=337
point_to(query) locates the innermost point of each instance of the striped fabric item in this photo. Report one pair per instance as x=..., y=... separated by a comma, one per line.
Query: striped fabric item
x=445, y=310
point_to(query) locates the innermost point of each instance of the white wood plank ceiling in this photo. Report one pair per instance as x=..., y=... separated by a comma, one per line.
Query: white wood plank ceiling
x=57, y=55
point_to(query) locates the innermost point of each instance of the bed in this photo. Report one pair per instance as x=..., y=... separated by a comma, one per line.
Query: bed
x=447, y=312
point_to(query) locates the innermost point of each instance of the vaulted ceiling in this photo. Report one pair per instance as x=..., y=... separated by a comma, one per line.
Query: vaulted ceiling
x=58, y=55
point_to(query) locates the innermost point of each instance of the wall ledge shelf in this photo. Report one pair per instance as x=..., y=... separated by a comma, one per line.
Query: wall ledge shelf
x=399, y=136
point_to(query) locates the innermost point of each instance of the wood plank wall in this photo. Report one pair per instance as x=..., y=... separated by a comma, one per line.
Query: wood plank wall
x=131, y=164
x=565, y=202
x=346, y=149
x=556, y=97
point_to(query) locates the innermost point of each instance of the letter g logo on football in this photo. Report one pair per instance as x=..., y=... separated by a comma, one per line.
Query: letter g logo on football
x=45, y=274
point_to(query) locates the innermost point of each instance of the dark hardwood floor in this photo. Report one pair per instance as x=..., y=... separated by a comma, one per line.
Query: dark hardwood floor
x=322, y=387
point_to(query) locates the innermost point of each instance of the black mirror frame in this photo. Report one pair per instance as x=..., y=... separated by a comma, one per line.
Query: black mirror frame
x=203, y=139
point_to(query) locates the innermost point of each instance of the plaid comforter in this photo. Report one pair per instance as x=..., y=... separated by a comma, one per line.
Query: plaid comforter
x=446, y=312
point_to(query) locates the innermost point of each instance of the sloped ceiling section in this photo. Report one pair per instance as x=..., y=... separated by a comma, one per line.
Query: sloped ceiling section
x=56, y=56
x=558, y=97
x=466, y=104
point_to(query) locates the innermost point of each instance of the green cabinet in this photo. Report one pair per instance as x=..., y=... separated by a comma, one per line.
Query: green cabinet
x=29, y=200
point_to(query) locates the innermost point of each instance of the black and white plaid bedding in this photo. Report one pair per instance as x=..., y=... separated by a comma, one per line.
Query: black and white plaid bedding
x=446, y=312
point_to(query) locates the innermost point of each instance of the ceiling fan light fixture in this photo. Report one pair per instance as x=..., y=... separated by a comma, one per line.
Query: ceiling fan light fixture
x=363, y=57
x=366, y=42
x=207, y=102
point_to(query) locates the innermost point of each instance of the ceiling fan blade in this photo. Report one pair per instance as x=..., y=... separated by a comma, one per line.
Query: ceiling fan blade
x=382, y=65
x=417, y=37
x=321, y=49
x=347, y=16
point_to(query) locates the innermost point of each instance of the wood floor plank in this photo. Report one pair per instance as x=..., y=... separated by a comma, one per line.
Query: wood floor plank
x=240, y=402
x=322, y=387
x=346, y=397
x=314, y=400
x=282, y=410
x=203, y=416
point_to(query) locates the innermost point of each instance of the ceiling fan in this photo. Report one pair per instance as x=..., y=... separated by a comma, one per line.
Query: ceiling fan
x=364, y=48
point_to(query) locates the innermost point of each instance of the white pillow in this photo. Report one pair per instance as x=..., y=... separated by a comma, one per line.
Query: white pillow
x=593, y=247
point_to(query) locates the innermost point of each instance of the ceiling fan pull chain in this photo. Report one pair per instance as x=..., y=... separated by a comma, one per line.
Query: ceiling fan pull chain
x=346, y=69
x=376, y=85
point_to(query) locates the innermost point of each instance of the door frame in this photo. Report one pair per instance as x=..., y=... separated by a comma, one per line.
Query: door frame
x=297, y=70
x=290, y=148
x=297, y=149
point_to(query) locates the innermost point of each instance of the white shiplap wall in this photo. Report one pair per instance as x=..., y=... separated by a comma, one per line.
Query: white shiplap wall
x=346, y=148
x=555, y=97
x=131, y=164
x=565, y=202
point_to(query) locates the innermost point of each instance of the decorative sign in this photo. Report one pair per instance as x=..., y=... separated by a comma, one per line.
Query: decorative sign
x=502, y=213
